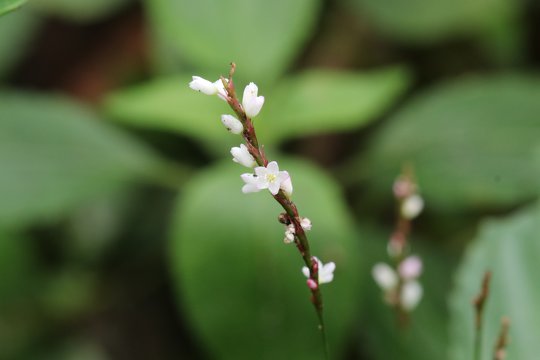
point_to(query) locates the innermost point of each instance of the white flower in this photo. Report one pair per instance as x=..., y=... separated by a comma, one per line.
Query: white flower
x=411, y=293
x=268, y=177
x=286, y=185
x=289, y=234
x=412, y=206
x=326, y=271
x=207, y=87
x=410, y=268
x=232, y=124
x=252, y=103
x=305, y=223
x=384, y=276
x=242, y=156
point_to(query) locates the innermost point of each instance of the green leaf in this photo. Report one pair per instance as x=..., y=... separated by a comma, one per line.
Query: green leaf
x=241, y=287
x=17, y=269
x=471, y=143
x=16, y=31
x=429, y=20
x=170, y=104
x=55, y=154
x=10, y=5
x=79, y=10
x=508, y=247
x=262, y=37
x=319, y=101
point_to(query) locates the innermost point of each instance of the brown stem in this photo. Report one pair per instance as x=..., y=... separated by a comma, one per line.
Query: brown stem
x=290, y=208
x=479, y=303
x=502, y=340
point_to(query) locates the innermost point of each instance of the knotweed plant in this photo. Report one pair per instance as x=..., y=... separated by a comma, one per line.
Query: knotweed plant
x=267, y=175
x=399, y=280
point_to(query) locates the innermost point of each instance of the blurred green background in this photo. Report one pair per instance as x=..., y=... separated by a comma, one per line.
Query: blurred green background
x=123, y=231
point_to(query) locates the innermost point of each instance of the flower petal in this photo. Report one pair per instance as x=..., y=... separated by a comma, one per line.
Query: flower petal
x=273, y=167
x=274, y=187
x=250, y=188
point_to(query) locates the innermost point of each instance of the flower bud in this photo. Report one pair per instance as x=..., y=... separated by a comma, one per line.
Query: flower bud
x=252, y=103
x=306, y=224
x=286, y=185
x=289, y=236
x=384, y=276
x=232, y=124
x=203, y=85
x=411, y=294
x=312, y=284
x=242, y=156
x=410, y=268
x=412, y=206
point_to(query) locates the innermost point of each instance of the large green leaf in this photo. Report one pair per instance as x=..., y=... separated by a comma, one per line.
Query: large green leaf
x=55, y=153
x=241, y=287
x=261, y=36
x=429, y=20
x=510, y=248
x=471, y=143
x=16, y=31
x=312, y=102
x=79, y=10
x=170, y=104
x=10, y=5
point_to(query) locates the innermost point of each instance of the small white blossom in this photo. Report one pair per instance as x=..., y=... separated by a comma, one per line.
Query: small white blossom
x=412, y=206
x=384, y=276
x=286, y=185
x=252, y=103
x=242, y=156
x=410, y=268
x=289, y=234
x=306, y=224
x=411, y=294
x=326, y=271
x=268, y=177
x=232, y=124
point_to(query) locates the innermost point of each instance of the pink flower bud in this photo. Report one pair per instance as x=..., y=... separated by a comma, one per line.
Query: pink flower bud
x=312, y=284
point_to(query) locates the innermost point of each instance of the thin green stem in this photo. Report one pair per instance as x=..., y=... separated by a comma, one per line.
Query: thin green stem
x=478, y=342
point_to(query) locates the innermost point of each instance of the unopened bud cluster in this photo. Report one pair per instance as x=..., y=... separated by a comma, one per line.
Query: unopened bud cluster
x=290, y=230
x=268, y=174
x=399, y=282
